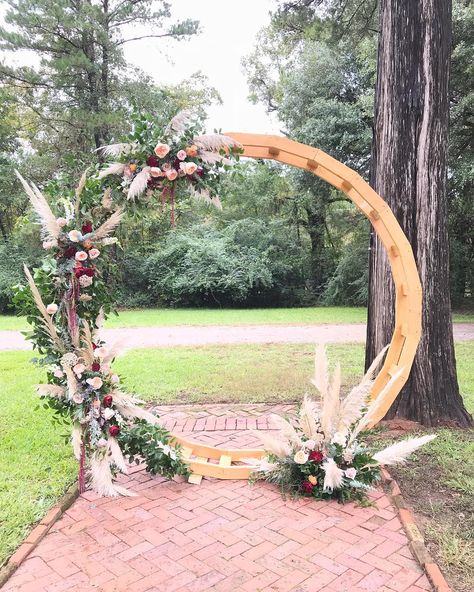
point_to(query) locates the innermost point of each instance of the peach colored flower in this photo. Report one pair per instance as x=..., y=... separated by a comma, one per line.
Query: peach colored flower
x=95, y=382
x=156, y=172
x=191, y=168
x=312, y=479
x=61, y=222
x=161, y=150
x=52, y=308
x=79, y=369
x=94, y=253
x=192, y=151
x=171, y=175
x=181, y=154
x=81, y=256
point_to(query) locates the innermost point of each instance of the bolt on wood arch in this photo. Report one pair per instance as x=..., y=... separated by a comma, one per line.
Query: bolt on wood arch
x=214, y=462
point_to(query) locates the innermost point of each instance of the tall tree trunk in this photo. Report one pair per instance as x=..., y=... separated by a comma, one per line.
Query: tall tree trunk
x=409, y=166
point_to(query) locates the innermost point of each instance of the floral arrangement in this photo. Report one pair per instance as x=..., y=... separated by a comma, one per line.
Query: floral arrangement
x=67, y=299
x=321, y=453
x=159, y=160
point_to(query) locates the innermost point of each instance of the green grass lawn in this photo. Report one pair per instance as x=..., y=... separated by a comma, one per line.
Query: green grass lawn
x=36, y=466
x=158, y=317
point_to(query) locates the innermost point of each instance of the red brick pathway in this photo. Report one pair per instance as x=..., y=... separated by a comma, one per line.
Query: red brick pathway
x=225, y=536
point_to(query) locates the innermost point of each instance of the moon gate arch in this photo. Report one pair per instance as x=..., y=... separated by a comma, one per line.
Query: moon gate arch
x=407, y=329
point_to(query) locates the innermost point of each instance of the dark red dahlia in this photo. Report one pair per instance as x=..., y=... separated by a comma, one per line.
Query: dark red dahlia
x=95, y=367
x=69, y=252
x=86, y=228
x=316, y=456
x=199, y=172
x=307, y=487
x=152, y=161
x=114, y=431
x=107, y=401
x=79, y=271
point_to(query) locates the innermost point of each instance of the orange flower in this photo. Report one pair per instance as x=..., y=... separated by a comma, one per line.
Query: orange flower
x=132, y=167
x=312, y=479
x=192, y=151
x=87, y=244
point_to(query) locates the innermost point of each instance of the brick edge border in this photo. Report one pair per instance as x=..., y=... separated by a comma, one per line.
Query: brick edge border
x=415, y=537
x=38, y=533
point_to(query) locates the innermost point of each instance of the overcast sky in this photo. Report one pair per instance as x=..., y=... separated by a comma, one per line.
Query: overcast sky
x=228, y=31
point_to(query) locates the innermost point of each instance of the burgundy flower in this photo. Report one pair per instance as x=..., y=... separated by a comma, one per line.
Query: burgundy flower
x=94, y=346
x=86, y=228
x=307, y=487
x=79, y=271
x=199, y=172
x=316, y=455
x=107, y=401
x=95, y=367
x=69, y=252
x=114, y=431
x=152, y=161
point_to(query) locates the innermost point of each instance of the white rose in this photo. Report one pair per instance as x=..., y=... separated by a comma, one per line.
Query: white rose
x=108, y=414
x=309, y=444
x=301, y=457
x=350, y=473
x=339, y=438
x=74, y=236
x=52, y=308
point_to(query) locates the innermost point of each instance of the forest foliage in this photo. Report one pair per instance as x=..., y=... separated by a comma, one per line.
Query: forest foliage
x=283, y=237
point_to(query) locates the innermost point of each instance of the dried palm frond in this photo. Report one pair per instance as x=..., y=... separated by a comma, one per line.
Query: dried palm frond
x=330, y=405
x=108, y=226
x=87, y=351
x=46, y=318
x=78, y=192
x=126, y=400
x=50, y=230
x=139, y=183
x=107, y=199
x=276, y=445
x=131, y=411
x=117, y=455
x=76, y=440
x=309, y=411
x=179, y=122
x=102, y=478
x=117, y=348
x=399, y=452
x=260, y=465
x=215, y=142
x=115, y=168
x=212, y=157
x=366, y=420
x=50, y=390
x=356, y=400
x=287, y=430
x=99, y=323
x=118, y=149
x=333, y=475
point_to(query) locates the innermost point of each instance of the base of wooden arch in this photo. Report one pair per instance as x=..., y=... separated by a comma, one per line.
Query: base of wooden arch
x=401, y=353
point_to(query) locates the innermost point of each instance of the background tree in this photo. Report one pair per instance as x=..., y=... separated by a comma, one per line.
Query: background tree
x=409, y=169
x=77, y=82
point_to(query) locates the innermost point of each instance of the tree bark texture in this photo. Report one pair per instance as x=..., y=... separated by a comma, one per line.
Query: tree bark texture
x=409, y=168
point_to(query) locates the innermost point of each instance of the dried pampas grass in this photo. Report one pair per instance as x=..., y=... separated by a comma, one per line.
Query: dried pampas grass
x=46, y=318
x=139, y=184
x=116, y=454
x=215, y=142
x=118, y=149
x=102, y=479
x=399, y=452
x=333, y=475
x=309, y=411
x=116, y=168
x=51, y=390
x=108, y=226
x=179, y=122
x=50, y=229
x=76, y=440
x=274, y=445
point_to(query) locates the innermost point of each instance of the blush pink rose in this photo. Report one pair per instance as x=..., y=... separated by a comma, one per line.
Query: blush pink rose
x=161, y=150
x=171, y=175
x=95, y=382
x=81, y=256
x=52, y=308
x=156, y=172
x=61, y=222
x=94, y=253
x=350, y=473
x=181, y=154
x=191, y=168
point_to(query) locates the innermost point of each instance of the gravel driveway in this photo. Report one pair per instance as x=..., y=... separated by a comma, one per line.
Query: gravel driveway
x=214, y=335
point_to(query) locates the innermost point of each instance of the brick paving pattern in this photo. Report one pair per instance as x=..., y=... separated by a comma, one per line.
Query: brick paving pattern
x=225, y=536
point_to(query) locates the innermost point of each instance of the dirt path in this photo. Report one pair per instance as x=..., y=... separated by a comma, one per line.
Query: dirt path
x=214, y=335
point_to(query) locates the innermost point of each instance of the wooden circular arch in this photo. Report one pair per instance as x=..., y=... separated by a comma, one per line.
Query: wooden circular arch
x=406, y=335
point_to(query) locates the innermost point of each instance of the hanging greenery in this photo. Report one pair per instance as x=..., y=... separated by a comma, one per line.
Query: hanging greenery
x=68, y=298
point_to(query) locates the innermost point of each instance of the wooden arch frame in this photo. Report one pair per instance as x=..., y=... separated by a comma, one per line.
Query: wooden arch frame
x=406, y=336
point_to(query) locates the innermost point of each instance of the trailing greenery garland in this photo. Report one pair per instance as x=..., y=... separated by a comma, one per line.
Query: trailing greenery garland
x=68, y=298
